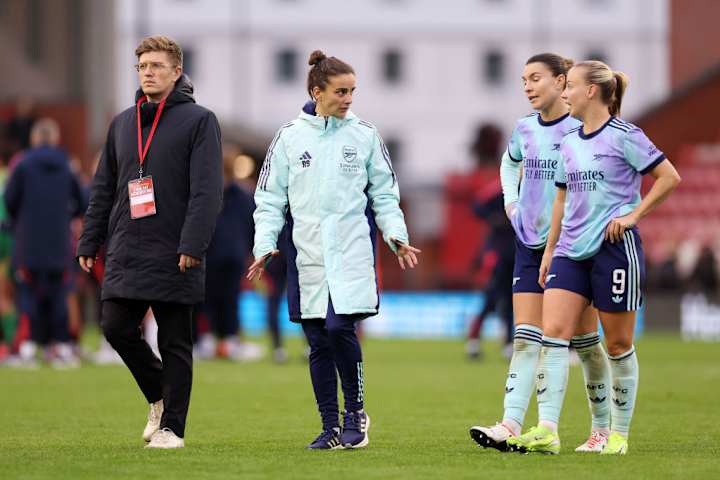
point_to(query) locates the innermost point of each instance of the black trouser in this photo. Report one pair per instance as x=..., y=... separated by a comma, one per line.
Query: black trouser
x=42, y=297
x=169, y=379
x=498, y=297
x=222, y=285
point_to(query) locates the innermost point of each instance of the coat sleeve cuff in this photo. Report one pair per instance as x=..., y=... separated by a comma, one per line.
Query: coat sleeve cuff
x=86, y=251
x=400, y=237
x=189, y=251
x=262, y=250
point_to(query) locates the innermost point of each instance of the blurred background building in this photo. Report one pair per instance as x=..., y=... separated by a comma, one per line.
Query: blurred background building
x=428, y=71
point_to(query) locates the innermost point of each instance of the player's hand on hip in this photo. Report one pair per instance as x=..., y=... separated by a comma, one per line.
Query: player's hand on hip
x=617, y=226
x=187, y=262
x=258, y=266
x=407, y=254
x=86, y=263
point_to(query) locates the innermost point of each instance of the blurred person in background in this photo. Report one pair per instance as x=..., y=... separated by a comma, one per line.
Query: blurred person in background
x=8, y=312
x=496, y=266
x=276, y=270
x=42, y=197
x=495, y=260
x=277, y=279
x=704, y=277
x=325, y=175
x=90, y=286
x=594, y=252
x=75, y=317
x=155, y=197
x=227, y=259
x=20, y=125
x=527, y=172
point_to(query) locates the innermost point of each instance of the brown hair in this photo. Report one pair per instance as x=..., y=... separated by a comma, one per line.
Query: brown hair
x=160, y=43
x=556, y=64
x=612, y=84
x=324, y=67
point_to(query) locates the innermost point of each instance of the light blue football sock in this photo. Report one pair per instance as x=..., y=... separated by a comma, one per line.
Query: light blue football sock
x=552, y=379
x=625, y=375
x=596, y=371
x=520, y=383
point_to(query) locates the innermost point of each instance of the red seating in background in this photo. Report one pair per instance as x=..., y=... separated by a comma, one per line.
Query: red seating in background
x=693, y=210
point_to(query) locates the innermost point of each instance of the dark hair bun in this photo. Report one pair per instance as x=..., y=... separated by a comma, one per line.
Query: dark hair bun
x=316, y=57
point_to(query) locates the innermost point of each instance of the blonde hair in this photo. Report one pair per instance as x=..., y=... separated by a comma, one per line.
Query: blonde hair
x=160, y=43
x=612, y=84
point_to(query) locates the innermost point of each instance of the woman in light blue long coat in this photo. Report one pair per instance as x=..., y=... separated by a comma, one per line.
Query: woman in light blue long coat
x=328, y=177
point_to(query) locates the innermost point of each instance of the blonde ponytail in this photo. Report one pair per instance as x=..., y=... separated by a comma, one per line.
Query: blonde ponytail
x=612, y=84
x=621, y=82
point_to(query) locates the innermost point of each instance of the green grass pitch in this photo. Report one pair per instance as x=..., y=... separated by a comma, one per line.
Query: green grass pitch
x=253, y=420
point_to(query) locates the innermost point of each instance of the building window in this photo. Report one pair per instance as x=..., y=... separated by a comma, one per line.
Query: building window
x=494, y=68
x=35, y=36
x=189, y=61
x=597, y=55
x=392, y=66
x=286, y=66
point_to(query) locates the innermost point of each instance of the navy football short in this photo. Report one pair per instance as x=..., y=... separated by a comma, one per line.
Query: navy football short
x=526, y=269
x=612, y=279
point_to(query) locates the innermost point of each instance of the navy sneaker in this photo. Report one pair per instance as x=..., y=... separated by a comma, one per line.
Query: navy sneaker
x=355, y=429
x=327, y=440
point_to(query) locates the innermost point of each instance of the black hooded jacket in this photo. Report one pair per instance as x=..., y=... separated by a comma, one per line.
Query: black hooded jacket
x=185, y=162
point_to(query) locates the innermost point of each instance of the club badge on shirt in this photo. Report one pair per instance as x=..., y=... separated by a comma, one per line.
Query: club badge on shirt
x=142, y=198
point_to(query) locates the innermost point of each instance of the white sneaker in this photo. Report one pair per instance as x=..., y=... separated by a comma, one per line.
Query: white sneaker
x=596, y=443
x=106, y=354
x=472, y=349
x=165, y=438
x=106, y=357
x=153, y=422
x=15, y=361
x=28, y=351
x=280, y=355
x=205, y=348
x=492, y=437
x=246, y=351
x=64, y=357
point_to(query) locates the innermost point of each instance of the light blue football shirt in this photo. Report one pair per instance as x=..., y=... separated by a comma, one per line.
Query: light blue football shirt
x=536, y=144
x=602, y=174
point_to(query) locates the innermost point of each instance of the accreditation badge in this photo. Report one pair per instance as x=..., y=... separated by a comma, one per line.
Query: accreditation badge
x=142, y=198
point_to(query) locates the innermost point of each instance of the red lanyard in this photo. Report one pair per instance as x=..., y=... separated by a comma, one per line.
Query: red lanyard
x=142, y=152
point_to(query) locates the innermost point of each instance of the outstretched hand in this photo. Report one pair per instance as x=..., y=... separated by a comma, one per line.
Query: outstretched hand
x=406, y=254
x=258, y=266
